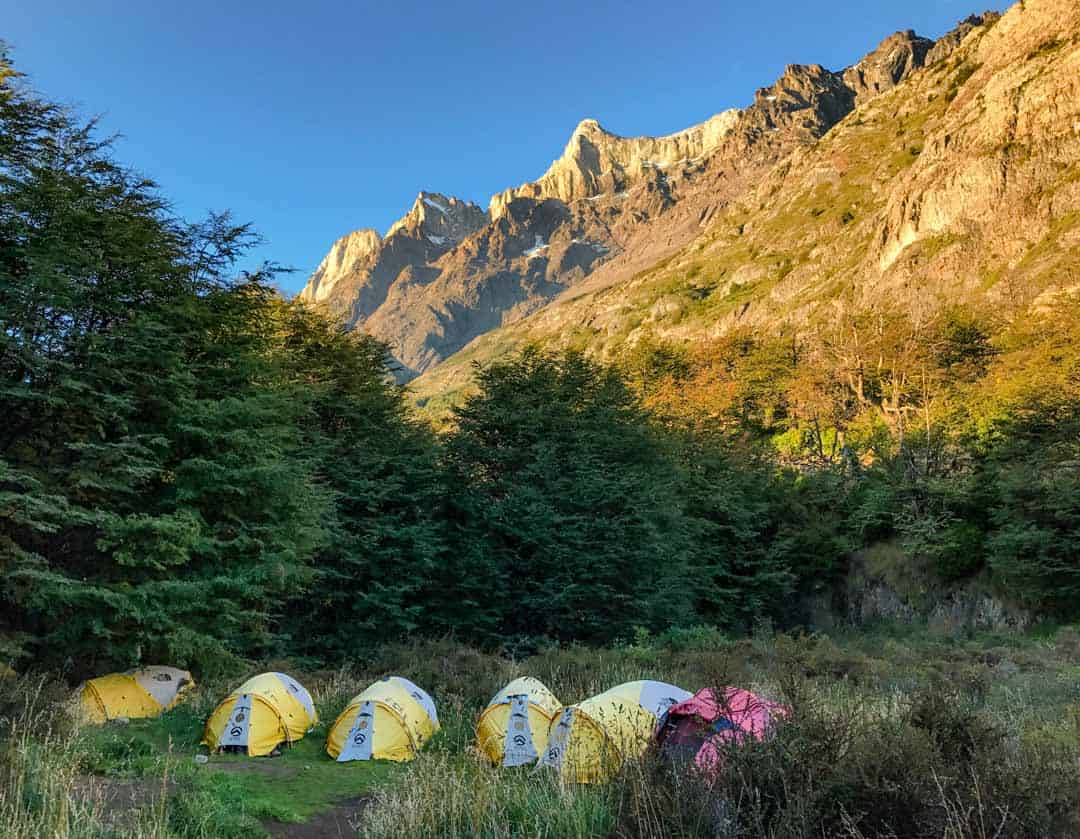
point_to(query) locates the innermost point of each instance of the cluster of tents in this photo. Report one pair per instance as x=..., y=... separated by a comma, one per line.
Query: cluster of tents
x=523, y=724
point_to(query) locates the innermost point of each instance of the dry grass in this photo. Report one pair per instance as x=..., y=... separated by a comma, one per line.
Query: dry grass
x=42, y=790
x=893, y=735
x=890, y=738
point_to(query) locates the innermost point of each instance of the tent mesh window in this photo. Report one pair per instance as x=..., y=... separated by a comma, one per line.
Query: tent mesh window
x=681, y=738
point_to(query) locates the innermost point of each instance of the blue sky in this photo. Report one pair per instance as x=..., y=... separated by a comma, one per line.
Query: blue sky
x=311, y=119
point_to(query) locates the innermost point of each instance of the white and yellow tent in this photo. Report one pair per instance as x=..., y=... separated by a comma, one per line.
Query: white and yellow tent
x=589, y=741
x=264, y=712
x=513, y=729
x=146, y=692
x=390, y=720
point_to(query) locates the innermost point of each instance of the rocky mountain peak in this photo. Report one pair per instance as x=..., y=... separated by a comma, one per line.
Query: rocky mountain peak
x=442, y=220
x=588, y=126
x=348, y=254
x=596, y=160
x=882, y=69
x=953, y=182
x=611, y=207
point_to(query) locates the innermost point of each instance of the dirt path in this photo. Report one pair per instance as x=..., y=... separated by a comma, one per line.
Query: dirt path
x=332, y=824
x=117, y=801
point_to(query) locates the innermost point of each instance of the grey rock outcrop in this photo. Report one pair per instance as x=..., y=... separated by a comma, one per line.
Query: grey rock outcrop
x=946, y=44
x=443, y=221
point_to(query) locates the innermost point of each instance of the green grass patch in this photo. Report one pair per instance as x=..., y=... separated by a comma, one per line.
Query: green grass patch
x=303, y=781
x=966, y=71
x=1045, y=48
x=933, y=245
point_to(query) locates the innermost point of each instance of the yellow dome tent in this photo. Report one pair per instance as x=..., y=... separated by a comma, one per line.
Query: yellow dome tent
x=146, y=692
x=390, y=720
x=264, y=712
x=513, y=729
x=589, y=741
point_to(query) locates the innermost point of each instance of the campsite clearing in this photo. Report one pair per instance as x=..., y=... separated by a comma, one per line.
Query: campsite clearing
x=904, y=703
x=236, y=790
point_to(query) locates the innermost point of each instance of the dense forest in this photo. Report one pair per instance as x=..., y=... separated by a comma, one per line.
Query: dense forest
x=194, y=468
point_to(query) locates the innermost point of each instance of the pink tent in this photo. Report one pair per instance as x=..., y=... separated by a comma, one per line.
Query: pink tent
x=698, y=727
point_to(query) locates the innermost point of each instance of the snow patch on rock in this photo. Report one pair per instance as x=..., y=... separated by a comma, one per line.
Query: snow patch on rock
x=436, y=205
x=539, y=245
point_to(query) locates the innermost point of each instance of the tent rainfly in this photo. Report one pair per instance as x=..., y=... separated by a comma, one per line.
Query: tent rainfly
x=146, y=692
x=390, y=720
x=264, y=712
x=589, y=741
x=513, y=729
x=696, y=731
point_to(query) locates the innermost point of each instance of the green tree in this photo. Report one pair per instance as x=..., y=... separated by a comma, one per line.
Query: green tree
x=381, y=475
x=569, y=520
x=155, y=501
x=1034, y=547
x=742, y=569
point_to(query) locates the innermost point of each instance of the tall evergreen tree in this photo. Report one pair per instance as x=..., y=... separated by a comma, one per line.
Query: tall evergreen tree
x=154, y=500
x=569, y=516
x=383, y=483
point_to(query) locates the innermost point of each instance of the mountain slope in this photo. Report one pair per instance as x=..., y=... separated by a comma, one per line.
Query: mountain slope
x=961, y=183
x=608, y=208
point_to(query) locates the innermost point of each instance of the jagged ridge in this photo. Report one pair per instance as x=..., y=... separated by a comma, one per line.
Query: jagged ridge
x=961, y=184
x=596, y=161
x=608, y=208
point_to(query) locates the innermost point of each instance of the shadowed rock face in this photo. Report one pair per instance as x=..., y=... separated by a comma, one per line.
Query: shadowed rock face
x=609, y=207
x=894, y=59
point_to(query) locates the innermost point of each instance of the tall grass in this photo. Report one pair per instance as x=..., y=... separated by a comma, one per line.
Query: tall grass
x=38, y=767
x=48, y=791
x=891, y=735
x=886, y=739
x=451, y=797
x=848, y=765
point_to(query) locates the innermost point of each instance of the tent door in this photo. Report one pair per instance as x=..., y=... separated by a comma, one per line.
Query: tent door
x=236, y=729
x=519, y=748
x=361, y=736
x=560, y=735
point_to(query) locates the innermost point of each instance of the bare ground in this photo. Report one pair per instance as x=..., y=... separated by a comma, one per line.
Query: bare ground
x=338, y=822
x=118, y=801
